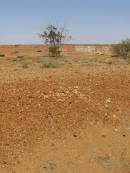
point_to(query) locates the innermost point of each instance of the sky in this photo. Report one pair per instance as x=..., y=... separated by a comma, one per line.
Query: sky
x=88, y=21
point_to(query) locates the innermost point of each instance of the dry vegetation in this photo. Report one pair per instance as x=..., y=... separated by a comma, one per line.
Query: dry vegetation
x=66, y=115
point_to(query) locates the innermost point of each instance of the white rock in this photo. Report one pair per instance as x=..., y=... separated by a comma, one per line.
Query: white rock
x=108, y=100
x=114, y=116
x=116, y=130
x=76, y=87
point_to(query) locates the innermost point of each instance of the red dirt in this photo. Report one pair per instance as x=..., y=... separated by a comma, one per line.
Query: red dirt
x=47, y=114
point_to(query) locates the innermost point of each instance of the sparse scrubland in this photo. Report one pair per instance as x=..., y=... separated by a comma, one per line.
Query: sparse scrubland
x=66, y=114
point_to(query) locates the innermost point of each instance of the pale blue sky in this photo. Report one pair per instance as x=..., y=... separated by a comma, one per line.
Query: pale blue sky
x=89, y=21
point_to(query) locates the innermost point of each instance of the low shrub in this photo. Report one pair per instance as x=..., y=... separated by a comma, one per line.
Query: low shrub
x=25, y=65
x=122, y=49
x=48, y=64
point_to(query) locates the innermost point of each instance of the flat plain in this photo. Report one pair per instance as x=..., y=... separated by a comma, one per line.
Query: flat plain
x=63, y=115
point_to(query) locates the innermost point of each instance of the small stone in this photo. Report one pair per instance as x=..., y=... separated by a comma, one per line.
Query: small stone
x=70, y=103
x=4, y=162
x=74, y=135
x=91, y=123
x=39, y=104
x=114, y=116
x=108, y=100
x=75, y=91
x=46, y=96
x=104, y=136
x=116, y=130
x=76, y=87
x=18, y=162
x=52, y=144
x=44, y=167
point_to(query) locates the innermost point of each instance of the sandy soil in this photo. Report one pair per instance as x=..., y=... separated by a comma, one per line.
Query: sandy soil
x=70, y=119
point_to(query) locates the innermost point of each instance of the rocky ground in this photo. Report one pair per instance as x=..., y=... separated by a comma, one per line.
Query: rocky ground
x=69, y=119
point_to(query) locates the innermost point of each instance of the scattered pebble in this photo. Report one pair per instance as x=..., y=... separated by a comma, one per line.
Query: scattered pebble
x=76, y=87
x=116, y=130
x=104, y=136
x=74, y=135
x=52, y=144
x=108, y=100
x=114, y=116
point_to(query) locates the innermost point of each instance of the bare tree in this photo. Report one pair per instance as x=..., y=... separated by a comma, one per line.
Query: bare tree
x=54, y=37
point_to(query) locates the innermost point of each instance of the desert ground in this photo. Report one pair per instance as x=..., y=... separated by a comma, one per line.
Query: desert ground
x=63, y=115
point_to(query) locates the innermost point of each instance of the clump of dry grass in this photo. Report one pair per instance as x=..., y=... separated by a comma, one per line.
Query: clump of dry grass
x=49, y=62
x=53, y=62
x=22, y=62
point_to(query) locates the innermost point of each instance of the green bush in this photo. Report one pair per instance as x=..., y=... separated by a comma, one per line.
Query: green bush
x=122, y=49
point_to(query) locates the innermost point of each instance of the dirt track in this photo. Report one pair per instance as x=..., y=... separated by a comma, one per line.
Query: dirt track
x=69, y=120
